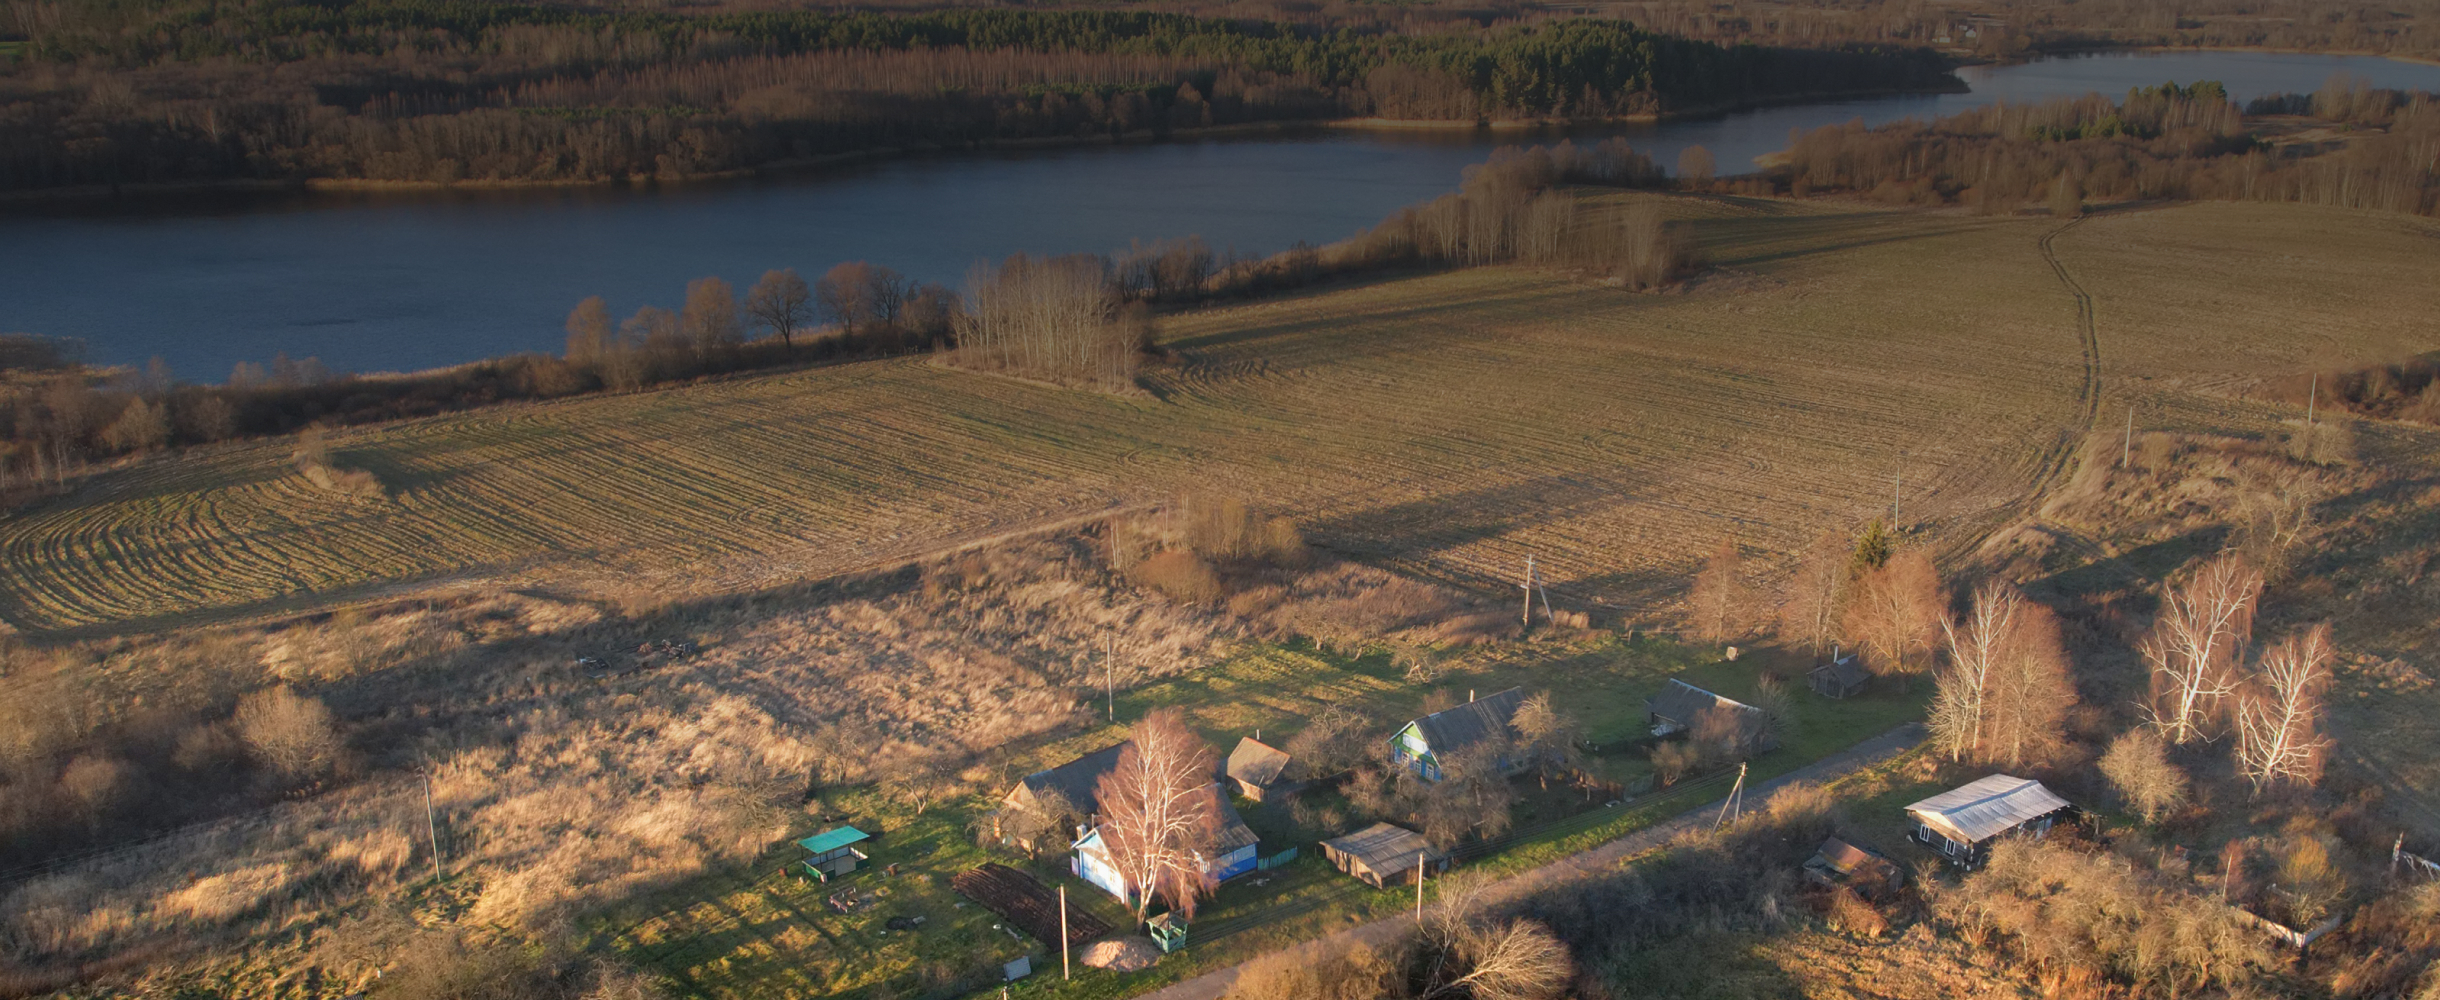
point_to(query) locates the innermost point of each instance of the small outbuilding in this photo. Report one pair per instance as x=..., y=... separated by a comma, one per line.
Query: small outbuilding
x=1842, y=676
x=1236, y=852
x=1259, y=769
x=1424, y=743
x=1682, y=708
x=834, y=852
x=1961, y=823
x=1838, y=862
x=1382, y=855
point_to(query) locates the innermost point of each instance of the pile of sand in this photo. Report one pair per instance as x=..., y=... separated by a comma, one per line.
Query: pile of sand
x=1122, y=954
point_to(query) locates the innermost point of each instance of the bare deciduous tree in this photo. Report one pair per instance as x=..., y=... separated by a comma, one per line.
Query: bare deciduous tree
x=289, y=732
x=2279, y=737
x=2006, y=688
x=1696, y=166
x=1505, y=960
x=2275, y=510
x=2137, y=764
x=1718, y=596
x=589, y=335
x=1332, y=742
x=859, y=294
x=1893, y=614
x=142, y=425
x=1161, y=813
x=1054, y=316
x=781, y=302
x=1546, y=738
x=1814, y=595
x=1473, y=795
x=708, y=321
x=917, y=777
x=2202, y=629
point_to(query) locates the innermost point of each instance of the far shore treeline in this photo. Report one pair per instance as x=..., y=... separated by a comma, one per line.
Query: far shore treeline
x=422, y=91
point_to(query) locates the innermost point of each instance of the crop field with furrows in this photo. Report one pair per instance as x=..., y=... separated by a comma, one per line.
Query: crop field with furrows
x=1448, y=424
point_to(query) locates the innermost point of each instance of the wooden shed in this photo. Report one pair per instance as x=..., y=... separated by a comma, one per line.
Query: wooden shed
x=1962, y=822
x=1838, y=862
x=1383, y=855
x=1842, y=676
x=1259, y=769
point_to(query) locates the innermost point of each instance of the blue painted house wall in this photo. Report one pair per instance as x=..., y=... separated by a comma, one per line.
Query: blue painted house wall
x=1092, y=864
x=1234, y=863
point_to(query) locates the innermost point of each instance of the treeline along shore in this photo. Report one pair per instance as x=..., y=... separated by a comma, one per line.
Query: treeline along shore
x=423, y=91
x=1082, y=320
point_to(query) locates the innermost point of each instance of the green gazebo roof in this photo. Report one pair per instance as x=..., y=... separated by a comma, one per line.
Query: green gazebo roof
x=831, y=840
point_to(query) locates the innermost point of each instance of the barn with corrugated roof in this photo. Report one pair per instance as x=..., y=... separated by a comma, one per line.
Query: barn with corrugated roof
x=1962, y=822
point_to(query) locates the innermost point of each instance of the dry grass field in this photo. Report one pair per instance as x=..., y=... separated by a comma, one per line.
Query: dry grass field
x=1452, y=423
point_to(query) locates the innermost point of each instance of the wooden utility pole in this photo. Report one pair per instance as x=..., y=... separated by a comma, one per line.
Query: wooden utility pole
x=1736, y=793
x=1065, y=970
x=1419, y=887
x=2311, y=399
x=1109, y=669
x=1895, y=476
x=432, y=827
x=1527, y=614
x=2126, y=450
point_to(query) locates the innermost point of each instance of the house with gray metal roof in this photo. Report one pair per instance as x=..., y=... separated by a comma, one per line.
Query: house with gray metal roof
x=1051, y=796
x=1962, y=822
x=1425, y=743
x=1680, y=707
x=1382, y=855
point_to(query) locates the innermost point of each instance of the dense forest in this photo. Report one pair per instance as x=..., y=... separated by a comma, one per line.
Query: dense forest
x=2001, y=29
x=444, y=90
x=2363, y=148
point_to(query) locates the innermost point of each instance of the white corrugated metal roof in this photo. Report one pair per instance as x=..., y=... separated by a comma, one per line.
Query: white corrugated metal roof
x=1988, y=806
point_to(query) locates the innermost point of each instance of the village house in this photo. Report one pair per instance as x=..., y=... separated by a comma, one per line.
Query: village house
x=1235, y=853
x=1035, y=813
x=1424, y=743
x=1681, y=707
x=1842, y=676
x=1382, y=855
x=1259, y=770
x=1961, y=823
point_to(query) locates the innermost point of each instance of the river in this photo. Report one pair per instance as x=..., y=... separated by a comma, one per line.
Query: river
x=407, y=280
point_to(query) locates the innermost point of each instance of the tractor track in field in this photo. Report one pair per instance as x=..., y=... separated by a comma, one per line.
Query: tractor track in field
x=2058, y=462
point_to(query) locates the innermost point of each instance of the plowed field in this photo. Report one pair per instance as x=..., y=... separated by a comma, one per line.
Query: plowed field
x=1450, y=424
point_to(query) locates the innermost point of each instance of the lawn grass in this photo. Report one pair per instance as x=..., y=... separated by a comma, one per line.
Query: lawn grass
x=760, y=933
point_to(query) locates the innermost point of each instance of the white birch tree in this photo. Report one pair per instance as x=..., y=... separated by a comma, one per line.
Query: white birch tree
x=1161, y=813
x=2202, y=629
x=2279, y=737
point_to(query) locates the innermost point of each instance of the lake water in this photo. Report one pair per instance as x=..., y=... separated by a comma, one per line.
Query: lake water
x=380, y=282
